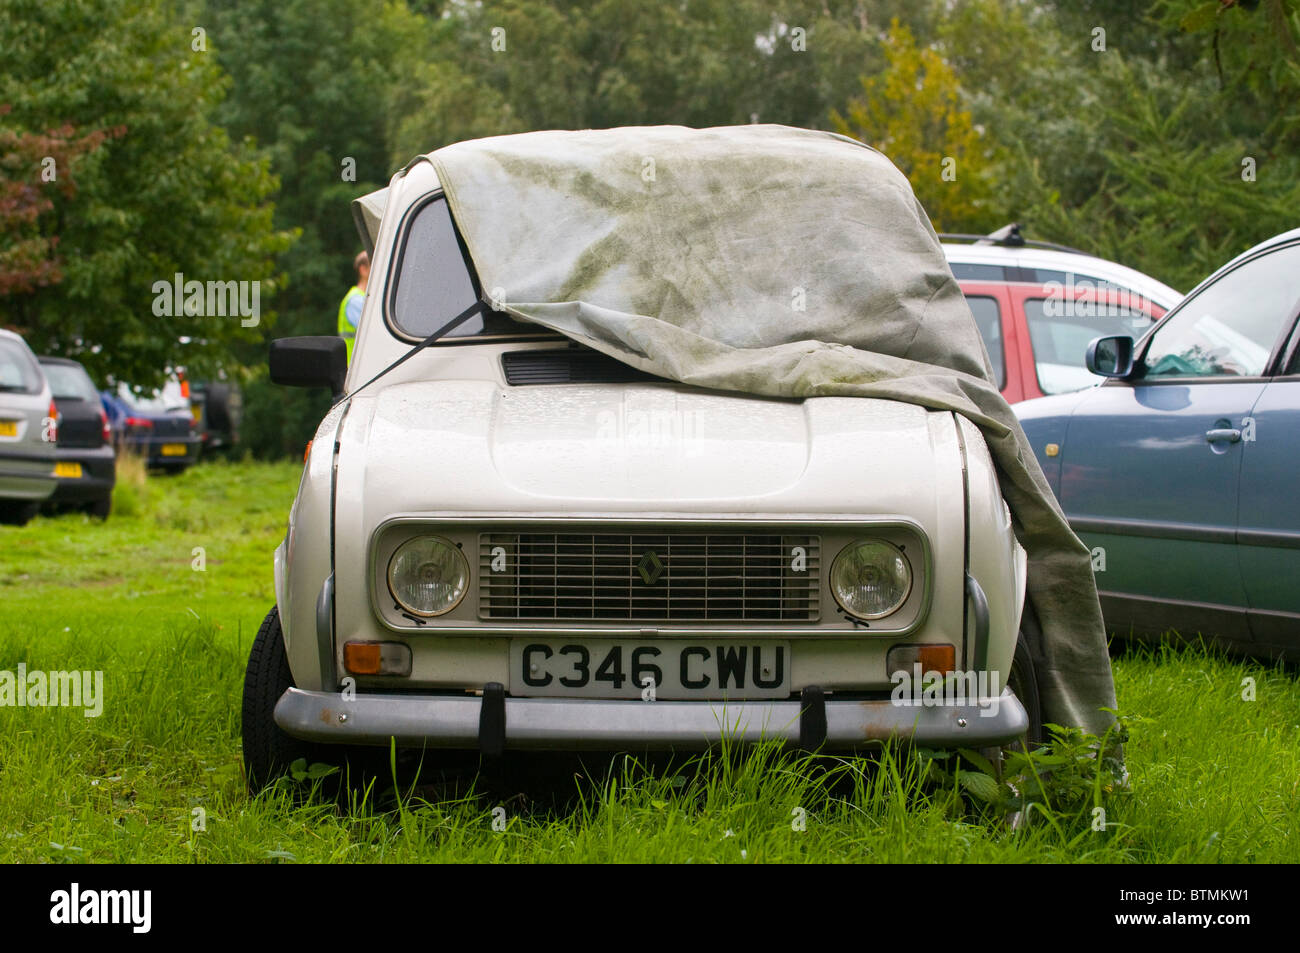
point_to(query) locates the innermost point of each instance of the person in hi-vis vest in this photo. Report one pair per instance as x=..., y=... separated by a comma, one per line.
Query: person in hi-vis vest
x=353, y=301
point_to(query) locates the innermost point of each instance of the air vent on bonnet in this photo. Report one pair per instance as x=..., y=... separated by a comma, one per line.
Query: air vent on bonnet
x=570, y=365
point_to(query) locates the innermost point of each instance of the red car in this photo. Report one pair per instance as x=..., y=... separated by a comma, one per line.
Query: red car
x=1038, y=306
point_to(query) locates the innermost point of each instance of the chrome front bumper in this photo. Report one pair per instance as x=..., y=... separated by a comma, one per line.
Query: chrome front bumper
x=440, y=721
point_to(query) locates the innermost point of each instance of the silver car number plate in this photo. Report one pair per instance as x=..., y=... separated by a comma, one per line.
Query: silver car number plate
x=681, y=669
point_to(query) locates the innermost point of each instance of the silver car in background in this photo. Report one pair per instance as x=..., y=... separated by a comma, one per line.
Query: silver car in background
x=28, y=431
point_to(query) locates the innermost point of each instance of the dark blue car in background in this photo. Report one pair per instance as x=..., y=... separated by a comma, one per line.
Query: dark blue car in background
x=1180, y=471
x=84, y=460
x=159, y=427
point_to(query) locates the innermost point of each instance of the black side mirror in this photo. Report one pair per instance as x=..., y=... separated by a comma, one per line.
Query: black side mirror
x=320, y=361
x=1110, y=357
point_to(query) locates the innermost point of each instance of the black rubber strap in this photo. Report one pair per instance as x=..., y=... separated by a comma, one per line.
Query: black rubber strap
x=447, y=328
x=492, y=721
x=812, y=718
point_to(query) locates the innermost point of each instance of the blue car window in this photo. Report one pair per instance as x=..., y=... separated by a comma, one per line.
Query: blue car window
x=1229, y=328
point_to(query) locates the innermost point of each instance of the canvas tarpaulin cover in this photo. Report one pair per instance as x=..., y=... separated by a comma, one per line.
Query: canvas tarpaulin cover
x=770, y=261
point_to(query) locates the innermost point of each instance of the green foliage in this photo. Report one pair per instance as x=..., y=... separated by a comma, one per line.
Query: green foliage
x=170, y=193
x=1138, y=152
x=1064, y=781
x=535, y=64
x=1178, y=197
x=302, y=772
x=307, y=80
x=29, y=256
x=169, y=157
x=278, y=421
x=131, y=488
x=913, y=113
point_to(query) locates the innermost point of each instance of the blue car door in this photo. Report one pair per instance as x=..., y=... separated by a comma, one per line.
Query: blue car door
x=1151, y=467
x=1268, y=533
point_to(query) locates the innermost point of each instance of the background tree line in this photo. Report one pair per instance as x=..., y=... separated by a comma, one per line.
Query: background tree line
x=214, y=137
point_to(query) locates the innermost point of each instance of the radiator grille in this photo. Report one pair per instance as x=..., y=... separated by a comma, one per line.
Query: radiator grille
x=668, y=576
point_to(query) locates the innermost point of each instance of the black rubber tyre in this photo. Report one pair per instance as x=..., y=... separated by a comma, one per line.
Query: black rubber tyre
x=1024, y=682
x=100, y=508
x=17, y=512
x=218, y=407
x=268, y=750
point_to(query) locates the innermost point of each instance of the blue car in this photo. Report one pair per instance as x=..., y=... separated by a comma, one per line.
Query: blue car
x=1179, y=471
x=158, y=426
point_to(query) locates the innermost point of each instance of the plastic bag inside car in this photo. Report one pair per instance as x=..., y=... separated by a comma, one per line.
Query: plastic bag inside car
x=770, y=261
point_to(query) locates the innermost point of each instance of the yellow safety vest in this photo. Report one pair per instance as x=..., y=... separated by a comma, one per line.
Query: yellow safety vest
x=346, y=330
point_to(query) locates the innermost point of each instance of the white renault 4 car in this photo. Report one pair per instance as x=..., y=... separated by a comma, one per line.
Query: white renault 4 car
x=510, y=541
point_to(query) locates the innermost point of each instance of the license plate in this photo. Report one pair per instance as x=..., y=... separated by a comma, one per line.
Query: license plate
x=173, y=450
x=70, y=470
x=8, y=428
x=685, y=669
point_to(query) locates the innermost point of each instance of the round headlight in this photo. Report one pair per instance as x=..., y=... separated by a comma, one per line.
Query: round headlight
x=428, y=575
x=871, y=578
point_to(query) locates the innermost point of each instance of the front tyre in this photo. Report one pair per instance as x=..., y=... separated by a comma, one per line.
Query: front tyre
x=1023, y=681
x=17, y=512
x=268, y=749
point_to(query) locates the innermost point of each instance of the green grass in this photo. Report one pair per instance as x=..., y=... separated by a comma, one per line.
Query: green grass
x=1214, y=777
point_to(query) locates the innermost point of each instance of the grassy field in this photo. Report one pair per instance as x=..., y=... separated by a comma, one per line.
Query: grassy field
x=1214, y=777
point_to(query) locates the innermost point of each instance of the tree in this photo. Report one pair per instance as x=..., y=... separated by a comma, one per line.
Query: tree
x=1180, y=194
x=309, y=79
x=29, y=256
x=171, y=194
x=913, y=112
x=309, y=84
x=1167, y=148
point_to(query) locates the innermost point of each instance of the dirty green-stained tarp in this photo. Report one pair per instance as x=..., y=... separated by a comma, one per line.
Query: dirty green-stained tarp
x=774, y=261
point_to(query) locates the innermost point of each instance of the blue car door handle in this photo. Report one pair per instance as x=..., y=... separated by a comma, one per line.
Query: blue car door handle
x=1228, y=434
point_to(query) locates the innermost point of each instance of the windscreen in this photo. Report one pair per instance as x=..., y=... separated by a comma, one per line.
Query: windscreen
x=69, y=382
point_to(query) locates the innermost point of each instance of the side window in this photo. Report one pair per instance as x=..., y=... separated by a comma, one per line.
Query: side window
x=433, y=283
x=988, y=319
x=1229, y=328
x=965, y=272
x=1060, y=331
